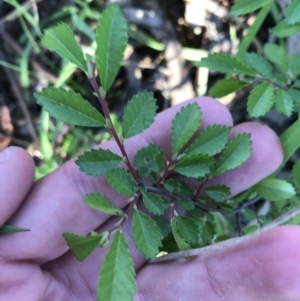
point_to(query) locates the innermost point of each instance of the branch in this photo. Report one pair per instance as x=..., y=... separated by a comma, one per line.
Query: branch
x=111, y=127
x=230, y=242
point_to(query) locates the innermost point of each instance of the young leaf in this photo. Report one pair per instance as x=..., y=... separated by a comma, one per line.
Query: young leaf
x=186, y=122
x=290, y=140
x=277, y=55
x=146, y=234
x=292, y=13
x=149, y=159
x=211, y=141
x=246, y=6
x=284, y=102
x=101, y=203
x=261, y=99
x=69, y=107
x=163, y=225
x=154, y=203
x=188, y=229
x=111, y=39
x=121, y=181
x=83, y=246
x=139, y=114
x=180, y=188
x=186, y=204
x=225, y=63
x=117, y=276
x=181, y=243
x=6, y=229
x=259, y=64
x=274, y=189
x=218, y=192
x=194, y=166
x=296, y=173
x=61, y=39
x=283, y=30
x=208, y=232
x=237, y=151
x=98, y=162
x=224, y=87
x=294, y=69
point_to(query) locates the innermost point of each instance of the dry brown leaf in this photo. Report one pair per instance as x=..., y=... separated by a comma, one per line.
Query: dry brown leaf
x=6, y=127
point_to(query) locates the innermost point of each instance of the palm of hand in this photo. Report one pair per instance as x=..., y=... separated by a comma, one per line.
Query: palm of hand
x=37, y=266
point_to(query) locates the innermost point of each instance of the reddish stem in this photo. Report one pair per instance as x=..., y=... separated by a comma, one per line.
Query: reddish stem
x=111, y=127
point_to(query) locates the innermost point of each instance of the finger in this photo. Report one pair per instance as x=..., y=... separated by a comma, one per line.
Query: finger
x=264, y=268
x=266, y=157
x=55, y=205
x=16, y=178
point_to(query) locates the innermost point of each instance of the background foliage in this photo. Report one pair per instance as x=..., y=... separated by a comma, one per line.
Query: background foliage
x=253, y=64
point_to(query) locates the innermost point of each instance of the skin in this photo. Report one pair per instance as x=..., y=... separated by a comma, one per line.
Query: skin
x=37, y=265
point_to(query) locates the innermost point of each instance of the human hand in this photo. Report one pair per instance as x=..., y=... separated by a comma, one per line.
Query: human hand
x=37, y=265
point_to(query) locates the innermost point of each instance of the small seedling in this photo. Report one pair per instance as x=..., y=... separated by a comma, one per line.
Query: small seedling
x=150, y=177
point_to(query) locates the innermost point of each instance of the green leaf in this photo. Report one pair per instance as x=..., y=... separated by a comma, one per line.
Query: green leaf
x=98, y=162
x=296, y=173
x=186, y=122
x=163, y=225
x=180, y=188
x=296, y=85
x=208, y=232
x=261, y=99
x=284, y=102
x=111, y=39
x=186, y=204
x=117, y=276
x=101, y=203
x=61, y=39
x=294, y=69
x=295, y=94
x=83, y=246
x=182, y=244
x=274, y=189
x=218, y=192
x=194, y=166
x=154, y=203
x=188, y=229
x=246, y=6
x=139, y=114
x=149, y=159
x=277, y=55
x=7, y=229
x=69, y=107
x=290, y=140
x=259, y=64
x=292, y=13
x=211, y=141
x=237, y=151
x=225, y=63
x=146, y=234
x=283, y=30
x=121, y=181
x=224, y=87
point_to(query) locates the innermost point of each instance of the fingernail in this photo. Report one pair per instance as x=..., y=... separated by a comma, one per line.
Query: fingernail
x=5, y=154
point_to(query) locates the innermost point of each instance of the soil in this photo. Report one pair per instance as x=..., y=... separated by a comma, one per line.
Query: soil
x=177, y=25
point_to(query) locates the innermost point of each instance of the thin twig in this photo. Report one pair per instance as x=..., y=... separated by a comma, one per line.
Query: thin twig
x=111, y=127
x=230, y=242
x=163, y=191
x=8, y=39
x=19, y=95
x=14, y=14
